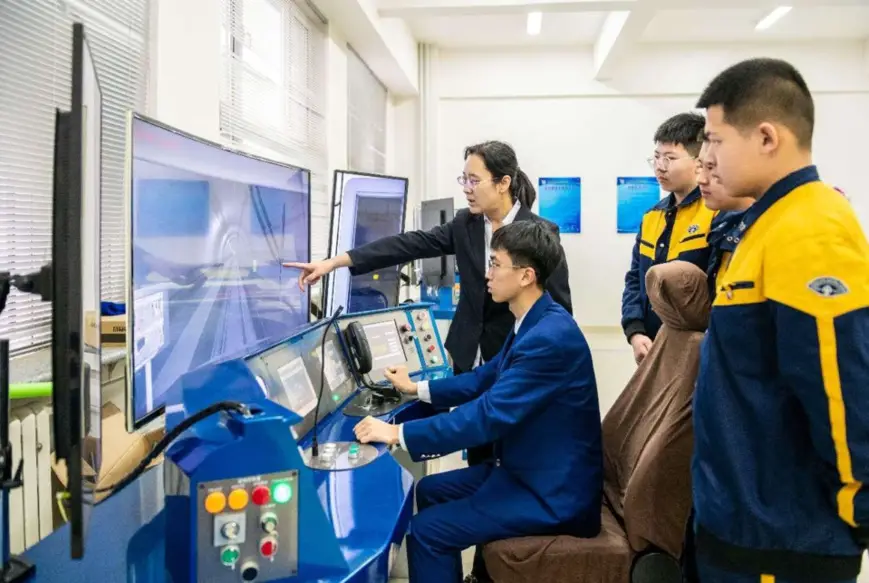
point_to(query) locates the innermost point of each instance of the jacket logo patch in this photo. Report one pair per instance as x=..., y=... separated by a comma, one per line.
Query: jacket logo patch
x=693, y=229
x=828, y=287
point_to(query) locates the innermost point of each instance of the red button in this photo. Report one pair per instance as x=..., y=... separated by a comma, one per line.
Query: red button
x=260, y=495
x=268, y=547
x=431, y=348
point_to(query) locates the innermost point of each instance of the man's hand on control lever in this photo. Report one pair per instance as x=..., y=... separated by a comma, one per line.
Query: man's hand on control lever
x=398, y=377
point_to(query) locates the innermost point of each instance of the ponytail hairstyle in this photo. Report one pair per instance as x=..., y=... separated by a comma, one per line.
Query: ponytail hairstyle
x=500, y=160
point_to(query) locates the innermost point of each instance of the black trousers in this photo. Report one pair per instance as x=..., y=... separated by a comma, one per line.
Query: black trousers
x=476, y=456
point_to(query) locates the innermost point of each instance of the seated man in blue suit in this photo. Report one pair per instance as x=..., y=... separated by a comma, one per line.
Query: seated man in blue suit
x=536, y=401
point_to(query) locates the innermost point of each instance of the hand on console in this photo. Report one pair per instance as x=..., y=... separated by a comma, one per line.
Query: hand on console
x=400, y=379
x=371, y=430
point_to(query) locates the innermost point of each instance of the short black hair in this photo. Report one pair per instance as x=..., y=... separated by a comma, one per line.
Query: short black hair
x=758, y=90
x=531, y=244
x=683, y=130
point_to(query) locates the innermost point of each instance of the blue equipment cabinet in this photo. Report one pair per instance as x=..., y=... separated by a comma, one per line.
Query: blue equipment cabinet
x=241, y=498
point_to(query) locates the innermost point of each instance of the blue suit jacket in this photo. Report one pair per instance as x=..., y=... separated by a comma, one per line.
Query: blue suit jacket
x=537, y=401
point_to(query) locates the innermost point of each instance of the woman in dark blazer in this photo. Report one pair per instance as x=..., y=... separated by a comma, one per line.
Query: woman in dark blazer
x=498, y=192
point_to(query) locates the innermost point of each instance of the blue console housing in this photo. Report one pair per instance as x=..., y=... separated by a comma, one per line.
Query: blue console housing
x=243, y=496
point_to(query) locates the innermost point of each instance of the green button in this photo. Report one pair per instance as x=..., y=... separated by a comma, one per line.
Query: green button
x=336, y=398
x=282, y=492
x=229, y=556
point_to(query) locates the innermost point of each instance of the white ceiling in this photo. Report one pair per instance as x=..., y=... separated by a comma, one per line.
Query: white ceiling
x=502, y=23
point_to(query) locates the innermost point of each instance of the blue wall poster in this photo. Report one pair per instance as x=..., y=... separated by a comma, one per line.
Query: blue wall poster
x=561, y=202
x=635, y=195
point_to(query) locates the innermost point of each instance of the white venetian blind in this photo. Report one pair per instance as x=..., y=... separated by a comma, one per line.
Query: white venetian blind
x=366, y=124
x=35, y=79
x=273, y=98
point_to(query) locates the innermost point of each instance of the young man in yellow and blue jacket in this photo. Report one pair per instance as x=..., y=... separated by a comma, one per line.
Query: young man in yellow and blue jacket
x=675, y=228
x=781, y=410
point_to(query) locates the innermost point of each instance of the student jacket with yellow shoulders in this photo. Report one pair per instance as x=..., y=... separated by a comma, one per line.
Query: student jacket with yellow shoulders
x=781, y=409
x=668, y=232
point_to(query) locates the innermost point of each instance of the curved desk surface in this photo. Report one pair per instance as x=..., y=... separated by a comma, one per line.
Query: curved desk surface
x=369, y=507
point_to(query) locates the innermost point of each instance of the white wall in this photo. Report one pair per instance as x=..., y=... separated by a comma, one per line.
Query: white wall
x=562, y=123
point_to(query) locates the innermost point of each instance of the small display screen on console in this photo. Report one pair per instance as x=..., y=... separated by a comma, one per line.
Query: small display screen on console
x=385, y=344
x=297, y=387
x=336, y=374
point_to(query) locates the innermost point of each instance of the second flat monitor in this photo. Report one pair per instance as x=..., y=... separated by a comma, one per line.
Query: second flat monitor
x=366, y=207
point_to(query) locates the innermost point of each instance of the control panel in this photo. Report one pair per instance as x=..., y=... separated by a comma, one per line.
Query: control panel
x=400, y=338
x=289, y=374
x=429, y=343
x=248, y=528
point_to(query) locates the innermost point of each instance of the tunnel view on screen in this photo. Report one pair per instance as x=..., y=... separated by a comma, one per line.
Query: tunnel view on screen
x=366, y=207
x=210, y=229
x=385, y=344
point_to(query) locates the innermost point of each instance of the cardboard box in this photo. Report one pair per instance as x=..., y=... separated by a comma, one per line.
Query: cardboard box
x=113, y=331
x=121, y=451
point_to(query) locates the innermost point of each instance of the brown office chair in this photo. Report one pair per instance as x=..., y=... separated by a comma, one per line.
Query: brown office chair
x=647, y=446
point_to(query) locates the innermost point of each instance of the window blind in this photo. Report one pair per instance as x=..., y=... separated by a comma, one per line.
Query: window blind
x=273, y=99
x=35, y=79
x=366, y=124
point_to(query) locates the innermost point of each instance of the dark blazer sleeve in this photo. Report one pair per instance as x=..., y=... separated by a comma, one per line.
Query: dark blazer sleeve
x=533, y=379
x=558, y=284
x=459, y=389
x=399, y=249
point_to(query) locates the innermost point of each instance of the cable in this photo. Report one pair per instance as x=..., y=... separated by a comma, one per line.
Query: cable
x=314, y=444
x=160, y=446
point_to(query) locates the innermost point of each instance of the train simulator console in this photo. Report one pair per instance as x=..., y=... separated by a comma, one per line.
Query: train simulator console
x=395, y=337
x=274, y=487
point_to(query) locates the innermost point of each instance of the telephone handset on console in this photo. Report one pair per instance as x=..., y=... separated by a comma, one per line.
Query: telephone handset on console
x=361, y=361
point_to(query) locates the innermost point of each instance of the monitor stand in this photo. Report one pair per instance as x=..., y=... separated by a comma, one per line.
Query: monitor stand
x=367, y=403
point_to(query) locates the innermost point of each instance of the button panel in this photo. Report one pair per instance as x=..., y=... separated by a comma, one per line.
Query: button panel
x=344, y=455
x=247, y=529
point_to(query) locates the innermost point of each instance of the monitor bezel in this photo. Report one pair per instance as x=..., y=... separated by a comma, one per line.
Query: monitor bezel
x=329, y=304
x=133, y=423
x=69, y=379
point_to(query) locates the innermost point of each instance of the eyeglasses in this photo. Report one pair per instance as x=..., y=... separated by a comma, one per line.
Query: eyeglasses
x=664, y=161
x=493, y=265
x=472, y=182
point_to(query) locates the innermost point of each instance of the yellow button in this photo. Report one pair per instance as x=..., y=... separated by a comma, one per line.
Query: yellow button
x=238, y=499
x=215, y=502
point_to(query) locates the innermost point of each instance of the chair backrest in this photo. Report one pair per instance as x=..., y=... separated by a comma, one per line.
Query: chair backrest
x=648, y=434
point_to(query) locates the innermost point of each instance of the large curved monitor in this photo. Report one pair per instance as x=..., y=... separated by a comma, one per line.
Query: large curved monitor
x=365, y=207
x=209, y=230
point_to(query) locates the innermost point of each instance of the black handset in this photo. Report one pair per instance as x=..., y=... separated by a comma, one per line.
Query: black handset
x=360, y=351
x=362, y=362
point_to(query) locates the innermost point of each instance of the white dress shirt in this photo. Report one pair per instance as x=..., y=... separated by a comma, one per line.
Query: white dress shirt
x=511, y=216
x=424, y=394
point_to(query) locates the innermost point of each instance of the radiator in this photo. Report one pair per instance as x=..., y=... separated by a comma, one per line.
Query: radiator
x=30, y=507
